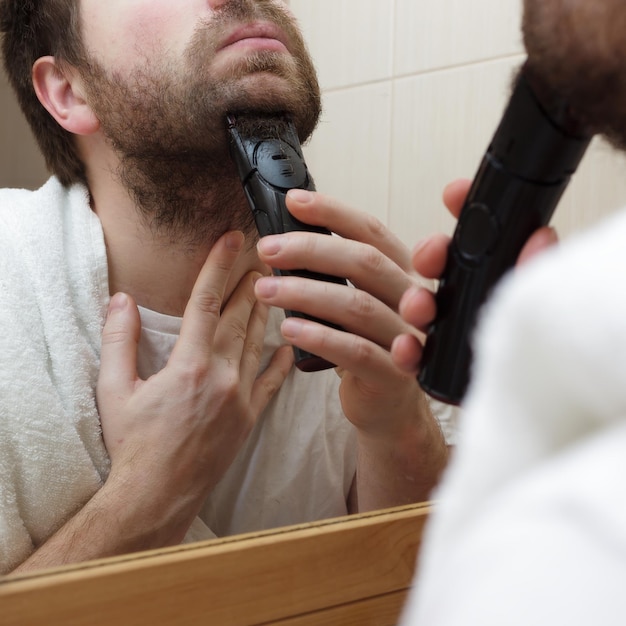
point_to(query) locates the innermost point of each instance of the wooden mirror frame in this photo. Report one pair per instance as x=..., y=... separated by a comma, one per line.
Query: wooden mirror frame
x=354, y=570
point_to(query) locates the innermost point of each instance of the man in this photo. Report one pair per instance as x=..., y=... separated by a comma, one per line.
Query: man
x=530, y=526
x=122, y=428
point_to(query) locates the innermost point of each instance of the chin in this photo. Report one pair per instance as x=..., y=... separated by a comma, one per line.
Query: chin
x=267, y=93
x=266, y=89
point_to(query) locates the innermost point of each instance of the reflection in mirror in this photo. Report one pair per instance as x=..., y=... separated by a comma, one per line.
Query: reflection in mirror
x=125, y=429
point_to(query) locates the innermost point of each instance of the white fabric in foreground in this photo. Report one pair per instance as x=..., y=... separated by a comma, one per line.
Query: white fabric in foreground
x=531, y=522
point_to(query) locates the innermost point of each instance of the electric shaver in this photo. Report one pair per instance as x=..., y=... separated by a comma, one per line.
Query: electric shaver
x=537, y=147
x=270, y=163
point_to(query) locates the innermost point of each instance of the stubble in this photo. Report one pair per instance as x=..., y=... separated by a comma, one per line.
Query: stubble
x=167, y=124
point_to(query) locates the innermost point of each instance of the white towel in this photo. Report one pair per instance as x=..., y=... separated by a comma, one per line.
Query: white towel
x=52, y=458
x=539, y=446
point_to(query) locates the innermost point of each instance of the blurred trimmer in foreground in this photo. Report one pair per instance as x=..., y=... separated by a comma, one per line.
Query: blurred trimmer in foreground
x=527, y=167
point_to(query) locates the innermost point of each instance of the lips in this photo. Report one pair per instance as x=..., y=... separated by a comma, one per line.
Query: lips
x=259, y=33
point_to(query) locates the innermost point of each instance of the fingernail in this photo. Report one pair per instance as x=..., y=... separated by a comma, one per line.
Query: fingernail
x=300, y=195
x=269, y=246
x=291, y=328
x=234, y=241
x=266, y=287
x=118, y=303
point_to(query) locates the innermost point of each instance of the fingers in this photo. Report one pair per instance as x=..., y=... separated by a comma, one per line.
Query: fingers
x=362, y=264
x=120, y=338
x=253, y=345
x=418, y=307
x=540, y=240
x=271, y=380
x=454, y=195
x=232, y=336
x=430, y=256
x=320, y=210
x=240, y=335
x=354, y=310
x=203, y=310
x=406, y=353
x=362, y=358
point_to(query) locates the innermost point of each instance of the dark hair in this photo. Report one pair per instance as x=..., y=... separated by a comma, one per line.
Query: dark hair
x=32, y=29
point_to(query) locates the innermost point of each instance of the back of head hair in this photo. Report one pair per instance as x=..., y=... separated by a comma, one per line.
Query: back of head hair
x=32, y=29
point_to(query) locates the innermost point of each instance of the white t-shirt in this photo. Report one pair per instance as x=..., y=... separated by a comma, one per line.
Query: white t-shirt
x=298, y=463
x=291, y=469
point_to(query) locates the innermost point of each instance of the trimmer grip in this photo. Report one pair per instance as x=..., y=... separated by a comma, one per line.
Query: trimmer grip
x=485, y=245
x=278, y=219
x=269, y=166
x=520, y=181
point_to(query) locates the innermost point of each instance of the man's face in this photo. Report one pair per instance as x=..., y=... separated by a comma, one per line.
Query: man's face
x=579, y=48
x=162, y=74
x=197, y=59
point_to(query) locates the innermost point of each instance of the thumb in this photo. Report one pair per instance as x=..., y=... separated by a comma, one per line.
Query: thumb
x=454, y=195
x=120, y=338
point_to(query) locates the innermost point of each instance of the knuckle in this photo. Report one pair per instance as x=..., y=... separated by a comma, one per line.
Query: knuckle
x=253, y=352
x=228, y=389
x=113, y=335
x=217, y=391
x=193, y=374
x=270, y=387
x=209, y=302
x=362, y=350
x=361, y=304
x=308, y=243
x=238, y=331
x=371, y=259
x=376, y=227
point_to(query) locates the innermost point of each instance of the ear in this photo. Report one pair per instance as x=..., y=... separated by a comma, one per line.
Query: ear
x=60, y=92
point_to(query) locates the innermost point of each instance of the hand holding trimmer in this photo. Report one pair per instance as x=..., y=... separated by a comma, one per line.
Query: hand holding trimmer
x=269, y=165
x=528, y=165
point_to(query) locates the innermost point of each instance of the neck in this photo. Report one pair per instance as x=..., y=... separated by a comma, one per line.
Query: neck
x=156, y=268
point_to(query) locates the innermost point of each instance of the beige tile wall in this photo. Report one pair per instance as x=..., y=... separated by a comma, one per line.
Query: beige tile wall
x=413, y=91
x=21, y=164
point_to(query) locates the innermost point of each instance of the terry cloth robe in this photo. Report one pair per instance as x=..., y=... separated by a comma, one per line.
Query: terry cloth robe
x=52, y=459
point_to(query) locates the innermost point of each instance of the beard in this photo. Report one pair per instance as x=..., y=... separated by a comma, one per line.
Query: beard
x=577, y=48
x=167, y=124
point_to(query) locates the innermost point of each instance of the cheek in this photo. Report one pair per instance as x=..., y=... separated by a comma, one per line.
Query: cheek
x=129, y=33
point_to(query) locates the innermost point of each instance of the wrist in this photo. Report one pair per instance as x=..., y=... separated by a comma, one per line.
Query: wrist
x=401, y=465
x=148, y=515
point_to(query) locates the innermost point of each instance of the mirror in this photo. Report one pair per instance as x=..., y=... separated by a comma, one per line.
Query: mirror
x=407, y=115
x=353, y=570
x=20, y=162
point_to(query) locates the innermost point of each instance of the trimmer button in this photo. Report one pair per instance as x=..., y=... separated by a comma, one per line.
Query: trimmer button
x=476, y=233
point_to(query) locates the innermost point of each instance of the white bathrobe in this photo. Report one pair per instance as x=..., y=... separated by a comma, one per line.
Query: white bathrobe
x=52, y=459
x=530, y=526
